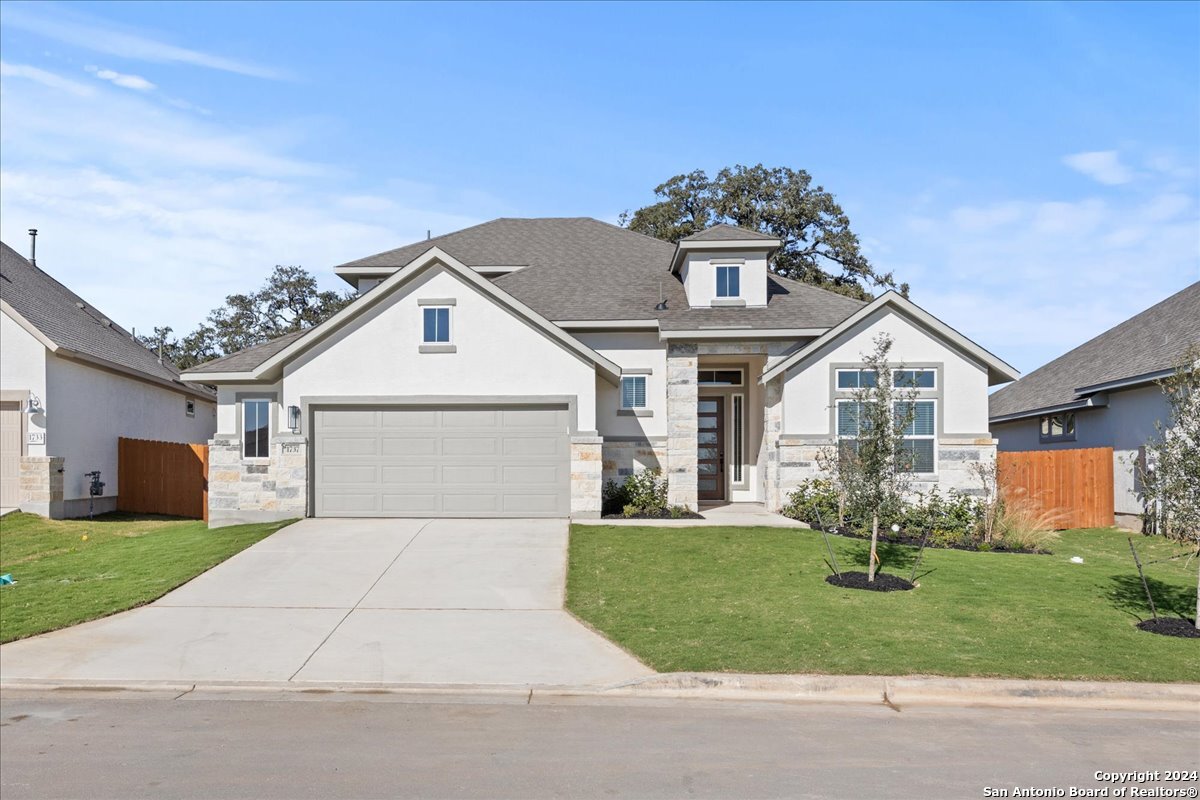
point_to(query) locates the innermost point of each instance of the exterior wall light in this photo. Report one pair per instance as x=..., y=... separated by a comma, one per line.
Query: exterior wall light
x=294, y=418
x=33, y=405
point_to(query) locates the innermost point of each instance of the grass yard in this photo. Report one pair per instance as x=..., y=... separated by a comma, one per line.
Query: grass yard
x=755, y=600
x=126, y=561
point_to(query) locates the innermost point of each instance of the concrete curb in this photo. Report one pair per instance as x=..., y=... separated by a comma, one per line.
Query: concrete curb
x=896, y=693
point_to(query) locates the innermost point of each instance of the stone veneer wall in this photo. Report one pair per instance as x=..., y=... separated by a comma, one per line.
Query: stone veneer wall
x=586, y=475
x=263, y=490
x=624, y=457
x=41, y=490
x=797, y=460
x=682, y=396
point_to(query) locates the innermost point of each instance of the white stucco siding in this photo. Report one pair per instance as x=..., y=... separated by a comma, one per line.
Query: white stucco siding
x=496, y=353
x=631, y=351
x=23, y=369
x=961, y=390
x=1126, y=424
x=87, y=409
x=699, y=275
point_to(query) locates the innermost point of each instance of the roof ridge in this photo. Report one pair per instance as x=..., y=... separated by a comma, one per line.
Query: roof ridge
x=431, y=241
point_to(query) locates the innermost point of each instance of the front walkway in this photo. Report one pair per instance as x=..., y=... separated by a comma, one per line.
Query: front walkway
x=739, y=514
x=352, y=601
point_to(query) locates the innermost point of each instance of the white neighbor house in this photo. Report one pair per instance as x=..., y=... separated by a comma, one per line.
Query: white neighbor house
x=511, y=368
x=1103, y=394
x=71, y=382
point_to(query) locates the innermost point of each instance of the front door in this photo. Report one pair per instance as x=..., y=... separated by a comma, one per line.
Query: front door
x=710, y=448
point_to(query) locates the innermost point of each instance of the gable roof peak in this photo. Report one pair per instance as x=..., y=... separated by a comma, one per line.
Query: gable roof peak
x=724, y=232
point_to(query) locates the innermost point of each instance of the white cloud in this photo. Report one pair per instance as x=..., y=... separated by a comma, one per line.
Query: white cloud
x=1049, y=274
x=1103, y=166
x=155, y=215
x=44, y=78
x=99, y=36
x=136, y=82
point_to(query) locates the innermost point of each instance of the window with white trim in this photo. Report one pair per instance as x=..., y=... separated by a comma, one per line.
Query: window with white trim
x=920, y=434
x=856, y=379
x=633, y=391
x=729, y=281
x=914, y=378
x=189, y=407
x=256, y=428
x=436, y=324
x=1057, y=428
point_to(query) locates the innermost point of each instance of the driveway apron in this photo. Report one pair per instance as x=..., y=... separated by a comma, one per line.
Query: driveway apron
x=401, y=601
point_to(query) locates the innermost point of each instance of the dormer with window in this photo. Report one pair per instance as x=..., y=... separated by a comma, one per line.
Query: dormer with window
x=724, y=266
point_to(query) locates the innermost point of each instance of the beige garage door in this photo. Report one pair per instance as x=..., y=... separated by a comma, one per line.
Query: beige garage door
x=10, y=454
x=441, y=462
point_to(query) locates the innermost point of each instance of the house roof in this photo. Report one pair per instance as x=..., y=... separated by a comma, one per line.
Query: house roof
x=69, y=326
x=727, y=233
x=1138, y=350
x=998, y=370
x=581, y=269
x=257, y=363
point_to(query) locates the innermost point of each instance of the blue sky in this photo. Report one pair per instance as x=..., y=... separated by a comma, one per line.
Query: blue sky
x=1033, y=170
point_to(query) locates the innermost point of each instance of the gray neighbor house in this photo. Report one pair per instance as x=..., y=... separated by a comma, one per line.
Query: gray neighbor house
x=1103, y=394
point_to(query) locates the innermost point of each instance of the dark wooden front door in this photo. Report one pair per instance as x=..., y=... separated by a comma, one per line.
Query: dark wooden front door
x=710, y=447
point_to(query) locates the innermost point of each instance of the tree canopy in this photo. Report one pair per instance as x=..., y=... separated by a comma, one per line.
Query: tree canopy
x=818, y=245
x=289, y=301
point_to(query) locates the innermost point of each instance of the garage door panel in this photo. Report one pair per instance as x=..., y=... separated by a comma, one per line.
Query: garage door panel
x=470, y=418
x=343, y=445
x=531, y=473
x=482, y=445
x=350, y=504
x=348, y=474
x=393, y=461
x=408, y=418
x=417, y=504
x=405, y=474
x=470, y=474
x=347, y=419
x=532, y=446
x=408, y=446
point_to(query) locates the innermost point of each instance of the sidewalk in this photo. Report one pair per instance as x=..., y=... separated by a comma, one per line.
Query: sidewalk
x=737, y=514
x=896, y=693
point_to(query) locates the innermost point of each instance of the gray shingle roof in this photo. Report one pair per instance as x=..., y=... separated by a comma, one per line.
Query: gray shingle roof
x=71, y=323
x=578, y=268
x=249, y=358
x=727, y=233
x=1154, y=340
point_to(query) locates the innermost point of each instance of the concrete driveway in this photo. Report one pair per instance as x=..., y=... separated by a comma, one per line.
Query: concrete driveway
x=352, y=601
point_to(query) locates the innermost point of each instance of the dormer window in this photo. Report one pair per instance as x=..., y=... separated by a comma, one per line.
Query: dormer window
x=729, y=281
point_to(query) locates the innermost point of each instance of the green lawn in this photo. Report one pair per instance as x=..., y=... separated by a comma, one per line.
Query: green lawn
x=126, y=561
x=755, y=600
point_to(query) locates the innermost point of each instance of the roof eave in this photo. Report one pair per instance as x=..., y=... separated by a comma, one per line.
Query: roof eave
x=770, y=245
x=999, y=371
x=1095, y=401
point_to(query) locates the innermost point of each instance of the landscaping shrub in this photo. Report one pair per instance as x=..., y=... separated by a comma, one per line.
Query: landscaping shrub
x=814, y=502
x=1020, y=525
x=643, y=492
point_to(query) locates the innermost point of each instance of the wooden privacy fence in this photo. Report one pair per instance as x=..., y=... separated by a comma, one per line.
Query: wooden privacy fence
x=162, y=478
x=1074, y=485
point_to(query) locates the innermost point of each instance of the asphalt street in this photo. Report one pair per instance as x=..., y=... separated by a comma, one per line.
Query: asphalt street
x=294, y=745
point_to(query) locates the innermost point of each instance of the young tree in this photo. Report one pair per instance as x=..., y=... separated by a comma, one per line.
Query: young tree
x=872, y=466
x=818, y=245
x=289, y=301
x=1171, y=480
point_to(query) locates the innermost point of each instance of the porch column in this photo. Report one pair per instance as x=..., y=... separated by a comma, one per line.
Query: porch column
x=682, y=396
x=772, y=429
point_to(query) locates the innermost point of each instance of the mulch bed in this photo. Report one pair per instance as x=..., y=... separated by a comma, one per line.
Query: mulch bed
x=904, y=537
x=882, y=583
x=664, y=514
x=1171, y=626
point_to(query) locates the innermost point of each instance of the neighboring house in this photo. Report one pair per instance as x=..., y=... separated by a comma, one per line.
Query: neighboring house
x=1103, y=394
x=511, y=368
x=71, y=382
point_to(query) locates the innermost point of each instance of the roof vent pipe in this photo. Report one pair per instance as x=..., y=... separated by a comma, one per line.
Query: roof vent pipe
x=662, y=301
x=33, y=247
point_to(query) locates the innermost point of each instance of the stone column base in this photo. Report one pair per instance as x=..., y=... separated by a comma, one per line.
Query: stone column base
x=42, y=486
x=587, y=471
